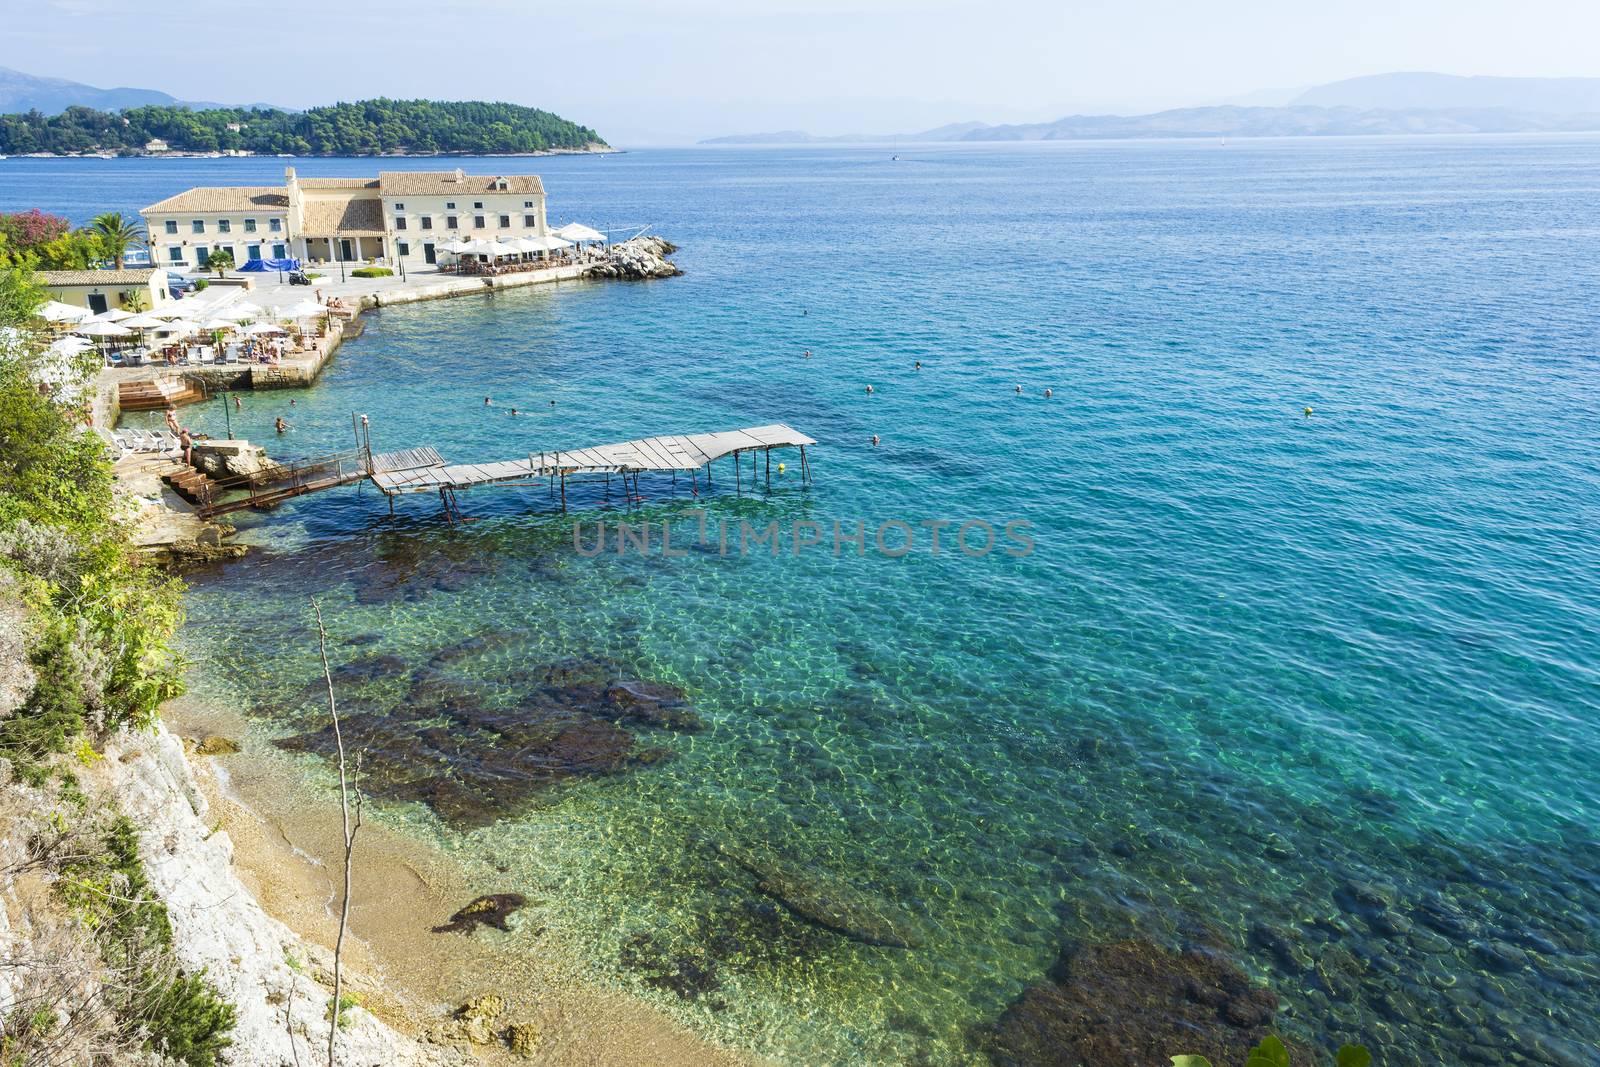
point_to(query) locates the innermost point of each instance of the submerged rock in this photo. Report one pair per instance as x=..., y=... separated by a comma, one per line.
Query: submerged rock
x=493, y=909
x=1133, y=1004
x=825, y=900
x=522, y=1038
x=687, y=974
x=215, y=745
x=649, y=704
x=477, y=1017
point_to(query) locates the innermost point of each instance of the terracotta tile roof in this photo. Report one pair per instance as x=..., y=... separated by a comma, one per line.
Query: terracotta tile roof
x=338, y=183
x=446, y=182
x=356, y=215
x=93, y=277
x=218, y=198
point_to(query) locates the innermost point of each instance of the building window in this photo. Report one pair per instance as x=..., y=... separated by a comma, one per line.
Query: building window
x=198, y=226
x=427, y=222
x=449, y=205
x=400, y=222
x=477, y=222
x=279, y=252
x=477, y=205
x=399, y=207
x=505, y=222
x=172, y=226
x=530, y=221
x=275, y=225
x=253, y=252
x=175, y=255
x=202, y=256
x=249, y=225
x=405, y=249
x=451, y=222
x=224, y=226
x=527, y=203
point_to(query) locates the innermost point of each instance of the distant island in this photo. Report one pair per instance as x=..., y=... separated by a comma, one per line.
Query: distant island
x=364, y=128
x=20, y=91
x=1399, y=103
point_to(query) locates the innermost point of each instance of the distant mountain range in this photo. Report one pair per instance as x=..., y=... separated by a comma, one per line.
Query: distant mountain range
x=1401, y=103
x=21, y=92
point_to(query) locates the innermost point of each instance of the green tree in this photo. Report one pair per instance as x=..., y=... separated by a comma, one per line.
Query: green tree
x=221, y=260
x=117, y=235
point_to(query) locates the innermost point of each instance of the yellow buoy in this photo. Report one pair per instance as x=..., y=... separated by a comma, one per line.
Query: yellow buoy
x=782, y=467
x=1308, y=413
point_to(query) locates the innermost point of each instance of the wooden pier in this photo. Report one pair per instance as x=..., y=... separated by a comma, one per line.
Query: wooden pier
x=423, y=470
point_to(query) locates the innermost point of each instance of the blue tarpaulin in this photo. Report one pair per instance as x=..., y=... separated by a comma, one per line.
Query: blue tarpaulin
x=262, y=265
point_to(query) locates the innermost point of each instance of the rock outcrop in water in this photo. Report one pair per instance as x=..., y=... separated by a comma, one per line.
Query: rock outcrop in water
x=641, y=257
x=1134, y=1004
x=828, y=901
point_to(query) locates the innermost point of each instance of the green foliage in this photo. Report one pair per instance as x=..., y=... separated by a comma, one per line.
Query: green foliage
x=1353, y=1056
x=1272, y=1053
x=200, y=284
x=102, y=614
x=346, y=1002
x=133, y=300
x=54, y=714
x=116, y=234
x=107, y=890
x=189, y=1022
x=362, y=128
x=372, y=272
x=220, y=260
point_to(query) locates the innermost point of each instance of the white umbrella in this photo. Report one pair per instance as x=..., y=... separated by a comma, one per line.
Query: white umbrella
x=305, y=309
x=114, y=315
x=170, y=313
x=239, y=312
x=56, y=311
x=144, y=322
x=218, y=323
x=101, y=328
x=71, y=345
x=577, y=231
x=263, y=328
x=549, y=243
x=523, y=244
x=453, y=247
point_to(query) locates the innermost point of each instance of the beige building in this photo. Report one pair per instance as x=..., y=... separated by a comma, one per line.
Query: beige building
x=103, y=290
x=397, y=216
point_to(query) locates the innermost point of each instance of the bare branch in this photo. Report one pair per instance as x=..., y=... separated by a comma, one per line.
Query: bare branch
x=349, y=834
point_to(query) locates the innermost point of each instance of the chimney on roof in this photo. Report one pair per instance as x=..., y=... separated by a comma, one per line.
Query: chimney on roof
x=461, y=175
x=289, y=177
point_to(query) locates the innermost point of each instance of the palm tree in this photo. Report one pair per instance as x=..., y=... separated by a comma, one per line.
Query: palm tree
x=117, y=234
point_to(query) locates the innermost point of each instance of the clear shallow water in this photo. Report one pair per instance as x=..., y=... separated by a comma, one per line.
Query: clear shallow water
x=1261, y=670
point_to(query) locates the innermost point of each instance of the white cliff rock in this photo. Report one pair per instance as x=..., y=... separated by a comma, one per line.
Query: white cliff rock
x=218, y=926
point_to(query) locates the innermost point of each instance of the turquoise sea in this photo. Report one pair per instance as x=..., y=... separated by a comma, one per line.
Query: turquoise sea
x=1325, y=685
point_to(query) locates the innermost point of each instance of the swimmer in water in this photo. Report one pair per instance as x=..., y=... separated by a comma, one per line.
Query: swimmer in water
x=280, y=425
x=869, y=388
x=513, y=411
x=807, y=355
x=919, y=364
x=236, y=405
x=874, y=440
x=488, y=401
x=1048, y=393
x=1019, y=390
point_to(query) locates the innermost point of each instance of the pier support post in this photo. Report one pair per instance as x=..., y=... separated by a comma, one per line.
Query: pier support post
x=738, y=475
x=769, y=466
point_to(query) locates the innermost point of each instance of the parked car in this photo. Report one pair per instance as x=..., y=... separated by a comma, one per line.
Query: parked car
x=178, y=285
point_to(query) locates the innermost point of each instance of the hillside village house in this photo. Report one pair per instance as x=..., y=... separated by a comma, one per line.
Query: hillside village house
x=103, y=290
x=397, y=216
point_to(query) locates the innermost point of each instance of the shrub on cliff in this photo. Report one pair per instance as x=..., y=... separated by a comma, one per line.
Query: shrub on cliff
x=102, y=617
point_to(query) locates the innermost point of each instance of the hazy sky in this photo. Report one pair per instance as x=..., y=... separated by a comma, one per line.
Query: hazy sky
x=656, y=73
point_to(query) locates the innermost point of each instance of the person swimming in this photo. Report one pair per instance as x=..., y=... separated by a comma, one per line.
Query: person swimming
x=488, y=401
x=919, y=365
x=869, y=388
x=874, y=440
x=807, y=354
x=280, y=425
x=1048, y=393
